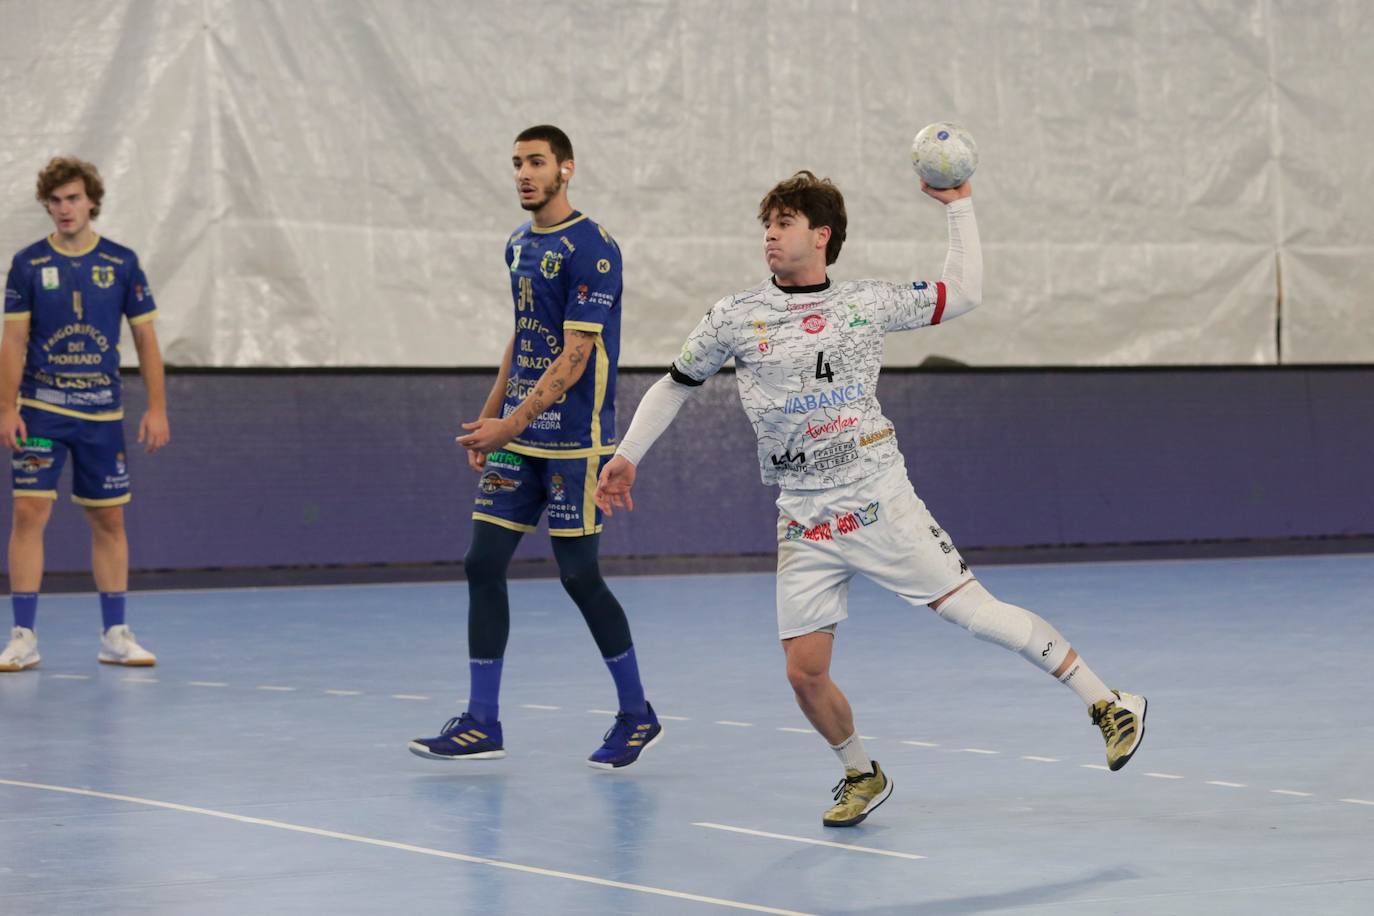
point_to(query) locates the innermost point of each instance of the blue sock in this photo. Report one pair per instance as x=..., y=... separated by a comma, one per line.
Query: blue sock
x=625, y=671
x=111, y=609
x=25, y=606
x=484, y=697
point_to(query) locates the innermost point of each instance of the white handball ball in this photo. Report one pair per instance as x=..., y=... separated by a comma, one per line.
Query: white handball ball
x=944, y=154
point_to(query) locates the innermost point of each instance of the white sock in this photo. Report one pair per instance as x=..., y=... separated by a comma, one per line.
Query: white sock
x=852, y=754
x=1089, y=687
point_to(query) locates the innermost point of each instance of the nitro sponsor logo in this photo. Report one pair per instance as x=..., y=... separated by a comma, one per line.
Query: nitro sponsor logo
x=839, y=424
x=813, y=324
x=879, y=436
x=840, y=394
x=834, y=456
x=505, y=459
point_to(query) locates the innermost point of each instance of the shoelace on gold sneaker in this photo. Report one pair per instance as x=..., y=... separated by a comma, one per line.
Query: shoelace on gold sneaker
x=1104, y=720
x=842, y=787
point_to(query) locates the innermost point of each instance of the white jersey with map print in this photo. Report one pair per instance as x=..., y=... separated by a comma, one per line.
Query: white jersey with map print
x=807, y=361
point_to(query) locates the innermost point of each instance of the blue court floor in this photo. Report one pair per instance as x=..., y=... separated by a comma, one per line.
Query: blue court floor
x=261, y=767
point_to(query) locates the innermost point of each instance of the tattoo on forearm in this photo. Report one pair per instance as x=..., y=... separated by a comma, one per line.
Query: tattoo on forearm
x=556, y=378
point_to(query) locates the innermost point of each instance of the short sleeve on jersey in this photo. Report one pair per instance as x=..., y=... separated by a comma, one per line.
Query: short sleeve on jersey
x=594, y=284
x=138, y=300
x=18, y=296
x=904, y=306
x=710, y=344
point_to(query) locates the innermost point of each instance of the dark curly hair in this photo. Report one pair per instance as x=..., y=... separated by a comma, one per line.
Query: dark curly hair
x=815, y=198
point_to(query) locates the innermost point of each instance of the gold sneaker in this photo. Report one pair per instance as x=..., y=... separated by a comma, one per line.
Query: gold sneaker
x=1123, y=725
x=856, y=795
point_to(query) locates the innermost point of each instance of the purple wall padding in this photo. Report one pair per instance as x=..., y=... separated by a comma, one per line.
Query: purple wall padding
x=303, y=469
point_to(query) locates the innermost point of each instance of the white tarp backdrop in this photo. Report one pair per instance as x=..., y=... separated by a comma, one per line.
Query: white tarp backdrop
x=327, y=183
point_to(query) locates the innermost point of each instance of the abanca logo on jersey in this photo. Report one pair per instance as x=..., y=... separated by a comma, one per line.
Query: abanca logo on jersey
x=840, y=394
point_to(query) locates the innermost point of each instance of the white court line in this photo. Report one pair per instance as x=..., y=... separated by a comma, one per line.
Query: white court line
x=797, y=731
x=808, y=840
x=1291, y=792
x=538, y=706
x=1357, y=801
x=977, y=750
x=71, y=677
x=408, y=696
x=407, y=847
x=1094, y=766
x=1040, y=759
x=277, y=688
x=207, y=683
x=675, y=718
x=735, y=724
x=344, y=693
x=605, y=712
x=1229, y=785
x=1164, y=775
x=921, y=743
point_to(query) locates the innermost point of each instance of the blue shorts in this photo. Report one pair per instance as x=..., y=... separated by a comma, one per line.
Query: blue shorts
x=99, y=474
x=515, y=489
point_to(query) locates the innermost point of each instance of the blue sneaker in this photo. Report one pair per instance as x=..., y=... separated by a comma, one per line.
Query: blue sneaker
x=629, y=737
x=462, y=738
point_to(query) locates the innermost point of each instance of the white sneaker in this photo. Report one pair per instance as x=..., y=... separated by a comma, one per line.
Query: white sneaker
x=22, y=652
x=118, y=647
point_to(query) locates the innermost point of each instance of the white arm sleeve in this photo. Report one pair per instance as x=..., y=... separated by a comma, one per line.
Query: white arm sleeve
x=658, y=408
x=963, y=276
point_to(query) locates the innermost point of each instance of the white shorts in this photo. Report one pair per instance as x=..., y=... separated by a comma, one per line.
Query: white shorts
x=878, y=527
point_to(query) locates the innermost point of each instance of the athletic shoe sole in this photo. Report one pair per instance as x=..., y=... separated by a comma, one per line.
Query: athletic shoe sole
x=32, y=664
x=131, y=663
x=419, y=750
x=598, y=765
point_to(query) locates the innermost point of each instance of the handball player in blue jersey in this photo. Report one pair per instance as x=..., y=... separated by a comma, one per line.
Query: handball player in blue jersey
x=538, y=446
x=65, y=298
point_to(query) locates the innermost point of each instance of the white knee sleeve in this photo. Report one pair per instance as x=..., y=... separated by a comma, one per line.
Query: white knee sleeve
x=1014, y=628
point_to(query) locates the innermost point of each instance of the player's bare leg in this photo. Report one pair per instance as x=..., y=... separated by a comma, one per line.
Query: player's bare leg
x=31, y=514
x=110, y=566
x=865, y=786
x=1121, y=716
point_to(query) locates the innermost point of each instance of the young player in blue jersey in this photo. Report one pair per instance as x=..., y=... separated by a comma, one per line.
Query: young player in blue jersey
x=539, y=443
x=60, y=394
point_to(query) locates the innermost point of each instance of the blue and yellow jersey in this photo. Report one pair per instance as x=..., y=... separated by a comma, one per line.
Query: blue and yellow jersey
x=565, y=277
x=75, y=304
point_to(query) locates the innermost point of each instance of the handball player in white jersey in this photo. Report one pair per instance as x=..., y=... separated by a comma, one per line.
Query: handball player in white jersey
x=807, y=355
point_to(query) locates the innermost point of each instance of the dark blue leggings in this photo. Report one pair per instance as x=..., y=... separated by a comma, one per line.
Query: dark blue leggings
x=486, y=563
